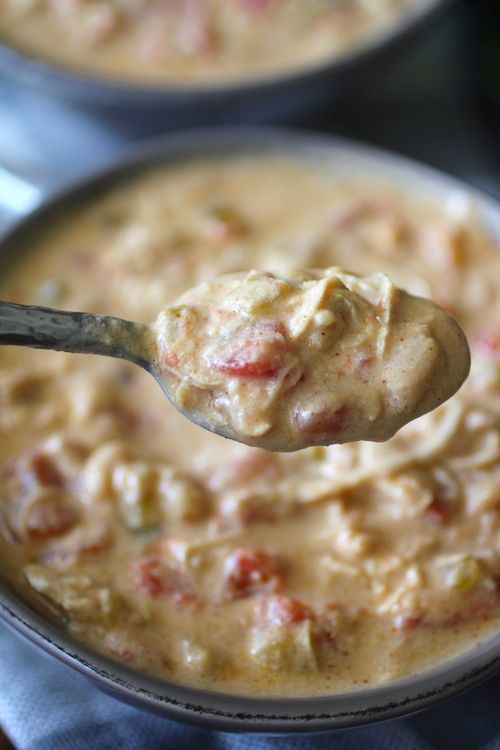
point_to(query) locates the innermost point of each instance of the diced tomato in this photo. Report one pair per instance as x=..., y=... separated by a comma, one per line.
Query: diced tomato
x=439, y=510
x=322, y=420
x=488, y=344
x=45, y=471
x=277, y=609
x=149, y=576
x=260, y=351
x=248, y=571
x=154, y=577
x=50, y=517
x=172, y=359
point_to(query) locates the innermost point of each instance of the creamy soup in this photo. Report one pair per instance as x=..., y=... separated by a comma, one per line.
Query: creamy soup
x=310, y=358
x=214, y=564
x=195, y=40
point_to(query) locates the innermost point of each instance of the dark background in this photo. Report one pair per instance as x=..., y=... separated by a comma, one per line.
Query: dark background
x=437, y=99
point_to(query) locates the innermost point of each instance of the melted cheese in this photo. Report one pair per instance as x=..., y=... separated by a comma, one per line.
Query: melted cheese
x=313, y=358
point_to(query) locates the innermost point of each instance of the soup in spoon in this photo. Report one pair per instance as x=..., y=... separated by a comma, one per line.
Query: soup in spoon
x=314, y=358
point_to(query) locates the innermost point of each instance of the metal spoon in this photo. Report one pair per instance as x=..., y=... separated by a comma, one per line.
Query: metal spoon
x=86, y=333
x=327, y=408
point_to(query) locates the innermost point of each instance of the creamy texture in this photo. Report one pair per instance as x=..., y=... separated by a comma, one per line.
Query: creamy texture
x=212, y=563
x=311, y=358
x=197, y=41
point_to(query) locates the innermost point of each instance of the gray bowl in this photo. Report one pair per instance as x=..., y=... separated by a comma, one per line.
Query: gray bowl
x=269, y=98
x=216, y=710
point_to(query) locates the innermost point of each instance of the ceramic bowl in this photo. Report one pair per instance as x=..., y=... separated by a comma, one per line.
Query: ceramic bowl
x=211, y=709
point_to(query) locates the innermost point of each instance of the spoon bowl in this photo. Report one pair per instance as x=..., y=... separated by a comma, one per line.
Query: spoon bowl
x=281, y=363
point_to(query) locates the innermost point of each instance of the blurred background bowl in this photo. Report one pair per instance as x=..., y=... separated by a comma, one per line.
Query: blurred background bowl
x=272, y=98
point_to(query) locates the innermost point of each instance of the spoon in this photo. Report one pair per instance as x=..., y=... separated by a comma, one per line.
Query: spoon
x=85, y=333
x=282, y=363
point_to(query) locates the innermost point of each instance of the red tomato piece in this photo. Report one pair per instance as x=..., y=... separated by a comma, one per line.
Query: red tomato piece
x=149, y=576
x=248, y=571
x=154, y=577
x=439, y=510
x=254, y=352
x=277, y=609
x=45, y=471
x=172, y=359
x=50, y=517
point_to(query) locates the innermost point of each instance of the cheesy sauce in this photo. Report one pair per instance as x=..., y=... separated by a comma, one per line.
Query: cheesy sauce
x=213, y=564
x=315, y=357
x=196, y=41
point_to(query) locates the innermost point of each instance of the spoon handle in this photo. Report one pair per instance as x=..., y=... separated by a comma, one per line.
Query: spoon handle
x=79, y=332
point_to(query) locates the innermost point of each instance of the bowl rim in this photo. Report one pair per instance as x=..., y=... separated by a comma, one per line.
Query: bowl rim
x=217, y=710
x=39, y=71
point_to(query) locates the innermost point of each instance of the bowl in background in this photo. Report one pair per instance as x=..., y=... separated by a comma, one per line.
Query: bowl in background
x=274, y=97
